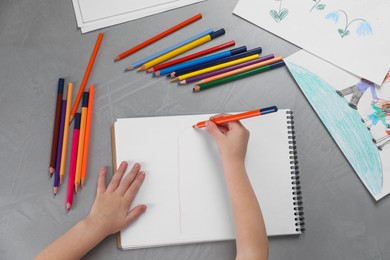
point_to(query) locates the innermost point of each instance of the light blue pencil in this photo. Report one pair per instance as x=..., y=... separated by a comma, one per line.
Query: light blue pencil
x=158, y=54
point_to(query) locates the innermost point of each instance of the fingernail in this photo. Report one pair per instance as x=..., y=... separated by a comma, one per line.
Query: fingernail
x=123, y=163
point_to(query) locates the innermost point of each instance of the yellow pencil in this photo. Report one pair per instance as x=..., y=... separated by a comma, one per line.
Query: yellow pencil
x=66, y=131
x=84, y=111
x=182, y=49
x=215, y=67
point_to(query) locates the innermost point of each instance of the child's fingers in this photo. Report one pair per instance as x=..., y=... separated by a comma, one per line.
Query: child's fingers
x=101, y=187
x=134, y=187
x=213, y=129
x=116, y=179
x=133, y=214
x=128, y=180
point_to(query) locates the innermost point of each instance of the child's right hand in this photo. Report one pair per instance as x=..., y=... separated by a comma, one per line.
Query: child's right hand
x=231, y=138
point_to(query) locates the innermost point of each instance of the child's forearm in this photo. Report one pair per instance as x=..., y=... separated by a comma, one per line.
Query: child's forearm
x=75, y=243
x=251, y=237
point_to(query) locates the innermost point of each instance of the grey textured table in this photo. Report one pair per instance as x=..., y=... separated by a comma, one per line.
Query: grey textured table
x=39, y=43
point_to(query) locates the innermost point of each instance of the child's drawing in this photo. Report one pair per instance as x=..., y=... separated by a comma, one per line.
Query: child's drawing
x=280, y=14
x=364, y=28
x=383, y=140
x=345, y=126
x=318, y=6
x=382, y=112
x=357, y=91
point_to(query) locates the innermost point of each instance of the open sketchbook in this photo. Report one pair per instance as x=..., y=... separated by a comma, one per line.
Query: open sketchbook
x=185, y=189
x=356, y=113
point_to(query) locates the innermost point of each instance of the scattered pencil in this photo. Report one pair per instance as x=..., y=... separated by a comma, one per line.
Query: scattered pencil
x=86, y=76
x=66, y=132
x=220, y=71
x=59, y=147
x=245, y=74
x=158, y=37
x=239, y=70
x=201, y=61
x=236, y=56
x=173, y=47
x=87, y=135
x=191, y=56
x=84, y=111
x=56, y=127
x=73, y=160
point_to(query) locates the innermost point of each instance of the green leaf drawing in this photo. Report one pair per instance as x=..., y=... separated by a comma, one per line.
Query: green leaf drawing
x=279, y=16
x=320, y=7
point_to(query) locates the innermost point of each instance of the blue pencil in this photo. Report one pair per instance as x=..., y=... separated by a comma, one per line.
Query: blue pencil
x=215, y=62
x=192, y=63
x=158, y=54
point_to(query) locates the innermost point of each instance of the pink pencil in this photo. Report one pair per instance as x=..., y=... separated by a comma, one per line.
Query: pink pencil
x=73, y=160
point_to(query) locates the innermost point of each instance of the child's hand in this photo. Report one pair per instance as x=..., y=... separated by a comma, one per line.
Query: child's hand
x=110, y=211
x=231, y=138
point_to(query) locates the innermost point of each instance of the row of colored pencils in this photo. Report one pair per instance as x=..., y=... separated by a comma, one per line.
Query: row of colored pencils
x=205, y=68
x=64, y=115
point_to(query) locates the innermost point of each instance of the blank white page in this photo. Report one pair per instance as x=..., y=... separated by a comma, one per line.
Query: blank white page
x=185, y=188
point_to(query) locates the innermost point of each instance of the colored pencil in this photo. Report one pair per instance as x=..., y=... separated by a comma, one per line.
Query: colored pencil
x=182, y=49
x=87, y=135
x=59, y=147
x=66, y=132
x=86, y=76
x=241, y=75
x=73, y=160
x=239, y=70
x=215, y=67
x=239, y=116
x=171, y=48
x=220, y=71
x=56, y=126
x=192, y=56
x=158, y=37
x=215, y=62
x=84, y=111
x=200, y=61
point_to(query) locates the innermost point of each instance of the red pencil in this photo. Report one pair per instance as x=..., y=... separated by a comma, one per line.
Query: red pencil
x=158, y=37
x=73, y=159
x=86, y=76
x=192, y=56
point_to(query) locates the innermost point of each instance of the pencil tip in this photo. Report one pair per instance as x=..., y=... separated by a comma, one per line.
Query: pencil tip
x=82, y=184
x=149, y=70
x=141, y=68
x=71, y=119
x=68, y=207
x=183, y=82
x=174, y=80
x=117, y=58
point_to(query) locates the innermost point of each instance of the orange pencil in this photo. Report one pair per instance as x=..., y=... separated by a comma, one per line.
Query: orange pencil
x=237, y=117
x=87, y=135
x=158, y=37
x=66, y=132
x=86, y=76
x=84, y=111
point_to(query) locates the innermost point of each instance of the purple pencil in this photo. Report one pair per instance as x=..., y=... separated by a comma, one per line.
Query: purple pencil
x=59, y=146
x=220, y=71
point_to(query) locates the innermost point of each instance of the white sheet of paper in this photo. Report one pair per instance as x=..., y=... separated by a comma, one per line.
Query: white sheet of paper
x=185, y=188
x=94, y=15
x=296, y=21
x=317, y=70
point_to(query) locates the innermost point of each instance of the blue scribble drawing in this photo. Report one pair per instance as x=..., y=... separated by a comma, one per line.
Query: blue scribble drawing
x=345, y=125
x=280, y=14
x=318, y=6
x=364, y=28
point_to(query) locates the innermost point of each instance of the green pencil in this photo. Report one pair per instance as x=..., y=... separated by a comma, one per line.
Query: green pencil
x=237, y=76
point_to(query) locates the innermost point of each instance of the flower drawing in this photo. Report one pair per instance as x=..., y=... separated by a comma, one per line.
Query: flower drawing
x=280, y=14
x=318, y=6
x=363, y=29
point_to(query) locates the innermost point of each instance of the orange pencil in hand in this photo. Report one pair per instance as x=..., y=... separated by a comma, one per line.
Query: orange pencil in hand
x=237, y=117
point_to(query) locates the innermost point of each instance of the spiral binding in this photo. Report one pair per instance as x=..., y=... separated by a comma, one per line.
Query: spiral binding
x=297, y=194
